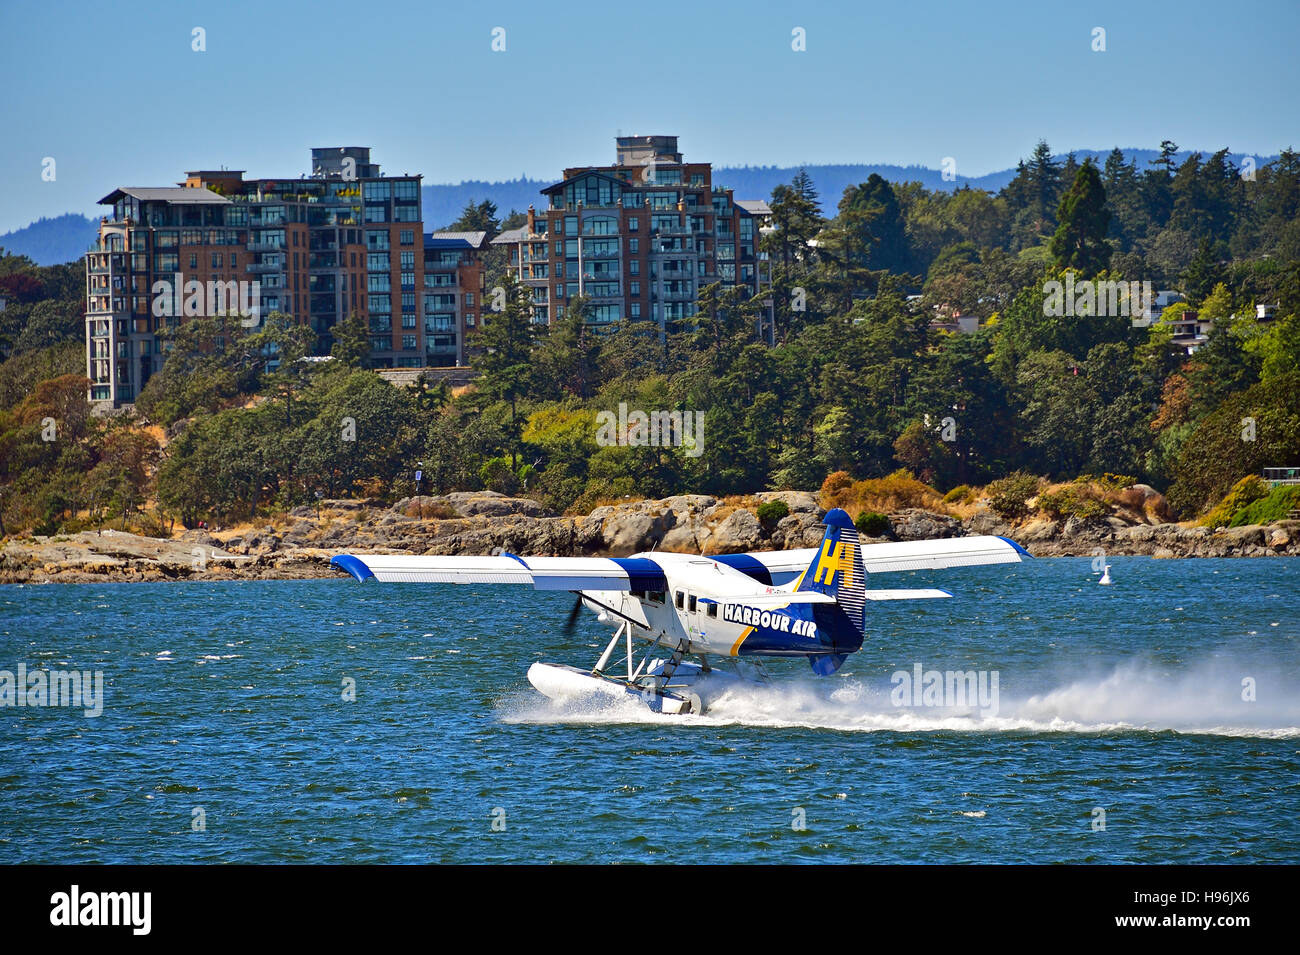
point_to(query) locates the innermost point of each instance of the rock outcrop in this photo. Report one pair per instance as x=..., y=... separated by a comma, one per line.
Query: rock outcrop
x=487, y=523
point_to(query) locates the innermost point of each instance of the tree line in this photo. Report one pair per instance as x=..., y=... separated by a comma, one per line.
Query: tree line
x=860, y=380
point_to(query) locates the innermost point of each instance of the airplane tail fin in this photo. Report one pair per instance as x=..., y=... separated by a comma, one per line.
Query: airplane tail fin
x=836, y=570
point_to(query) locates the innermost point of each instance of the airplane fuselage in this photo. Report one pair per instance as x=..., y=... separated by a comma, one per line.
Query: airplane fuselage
x=719, y=610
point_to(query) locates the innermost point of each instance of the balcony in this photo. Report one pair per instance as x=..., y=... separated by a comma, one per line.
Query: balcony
x=265, y=246
x=265, y=267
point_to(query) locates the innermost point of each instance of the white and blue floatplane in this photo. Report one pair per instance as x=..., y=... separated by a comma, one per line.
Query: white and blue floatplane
x=729, y=612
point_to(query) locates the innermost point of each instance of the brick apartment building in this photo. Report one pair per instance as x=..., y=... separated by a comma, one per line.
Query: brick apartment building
x=638, y=239
x=453, y=293
x=340, y=240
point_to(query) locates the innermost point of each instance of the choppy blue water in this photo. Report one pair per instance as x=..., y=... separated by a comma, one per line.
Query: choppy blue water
x=228, y=697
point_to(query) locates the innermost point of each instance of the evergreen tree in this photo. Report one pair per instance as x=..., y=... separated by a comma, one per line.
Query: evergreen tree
x=1033, y=196
x=1045, y=180
x=882, y=223
x=802, y=184
x=1156, y=186
x=797, y=220
x=1080, y=239
x=351, y=341
x=478, y=217
x=506, y=339
x=1129, y=220
x=1205, y=272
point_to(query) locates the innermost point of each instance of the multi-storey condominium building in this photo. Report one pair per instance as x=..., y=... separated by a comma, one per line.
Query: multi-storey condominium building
x=637, y=239
x=341, y=240
x=453, y=293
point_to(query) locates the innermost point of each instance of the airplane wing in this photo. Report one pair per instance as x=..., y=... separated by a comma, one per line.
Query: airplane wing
x=544, y=573
x=776, y=567
x=639, y=573
x=916, y=593
x=939, y=554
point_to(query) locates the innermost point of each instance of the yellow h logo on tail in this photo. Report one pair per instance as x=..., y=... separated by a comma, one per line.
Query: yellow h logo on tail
x=833, y=561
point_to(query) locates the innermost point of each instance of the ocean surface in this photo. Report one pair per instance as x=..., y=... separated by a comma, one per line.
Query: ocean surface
x=1154, y=720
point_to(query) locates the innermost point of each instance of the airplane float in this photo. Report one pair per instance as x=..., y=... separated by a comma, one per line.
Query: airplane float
x=729, y=611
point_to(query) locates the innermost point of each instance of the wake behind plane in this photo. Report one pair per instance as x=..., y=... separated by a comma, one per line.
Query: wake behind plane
x=729, y=612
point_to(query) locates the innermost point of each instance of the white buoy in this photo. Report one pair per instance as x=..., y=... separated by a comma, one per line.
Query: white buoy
x=1105, y=575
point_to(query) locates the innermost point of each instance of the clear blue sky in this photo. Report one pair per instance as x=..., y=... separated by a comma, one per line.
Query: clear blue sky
x=115, y=94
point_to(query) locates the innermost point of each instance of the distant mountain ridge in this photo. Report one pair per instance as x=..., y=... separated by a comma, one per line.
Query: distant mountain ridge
x=66, y=237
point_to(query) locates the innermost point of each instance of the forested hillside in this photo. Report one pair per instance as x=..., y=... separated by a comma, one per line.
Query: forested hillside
x=859, y=381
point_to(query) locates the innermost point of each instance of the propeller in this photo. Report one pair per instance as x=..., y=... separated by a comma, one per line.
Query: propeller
x=572, y=621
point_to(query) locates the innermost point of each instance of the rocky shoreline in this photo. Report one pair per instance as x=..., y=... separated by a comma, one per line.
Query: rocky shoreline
x=301, y=545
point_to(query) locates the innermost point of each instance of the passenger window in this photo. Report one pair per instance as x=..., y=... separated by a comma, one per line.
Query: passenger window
x=681, y=602
x=712, y=609
x=690, y=604
x=655, y=596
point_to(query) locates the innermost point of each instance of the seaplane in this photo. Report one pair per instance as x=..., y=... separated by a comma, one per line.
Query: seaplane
x=728, y=612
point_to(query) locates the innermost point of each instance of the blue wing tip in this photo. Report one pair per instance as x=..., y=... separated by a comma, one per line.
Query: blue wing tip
x=353, y=565
x=1019, y=550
